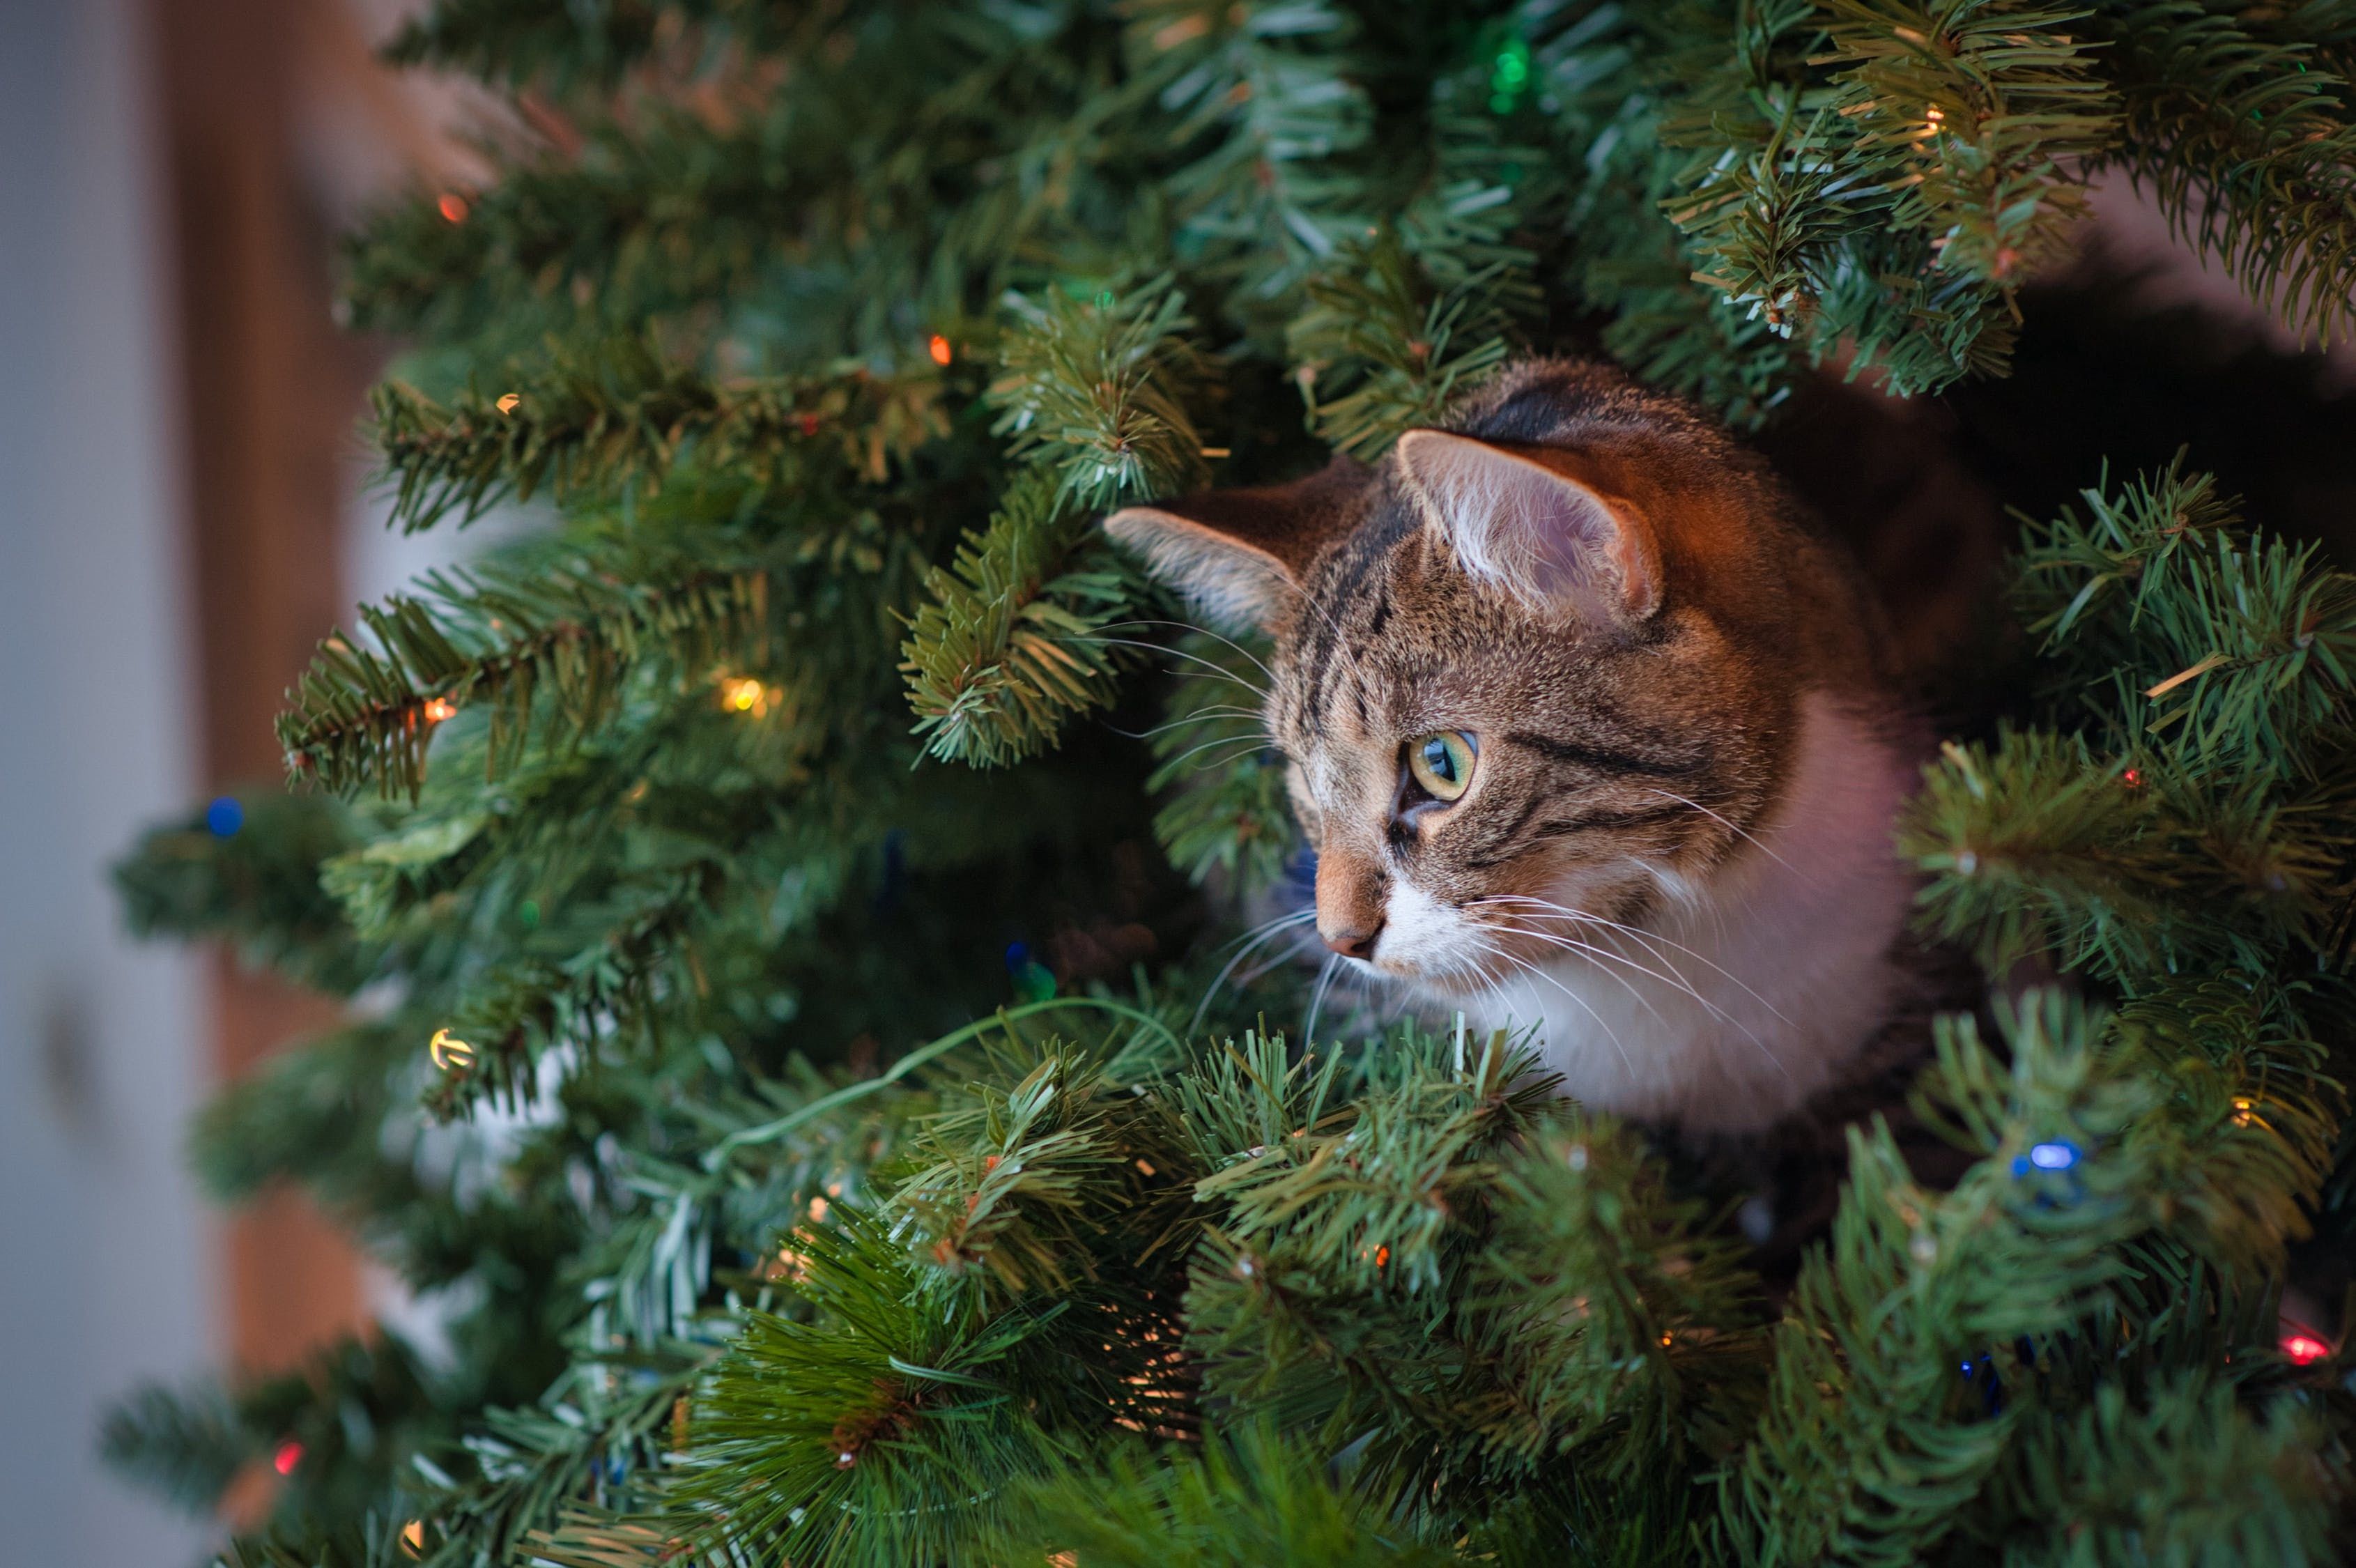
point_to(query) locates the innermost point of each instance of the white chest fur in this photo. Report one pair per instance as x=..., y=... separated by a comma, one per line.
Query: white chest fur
x=1744, y=996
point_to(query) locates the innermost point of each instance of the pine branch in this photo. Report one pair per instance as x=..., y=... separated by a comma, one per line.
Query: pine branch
x=560, y=44
x=546, y=647
x=1999, y=103
x=619, y=421
x=1617, y=84
x=1872, y=1444
x=1387, y=351
x=2251, y=1114
x=601, y=1438
x=2128, y=871
x=1763, y=226
x=1626, y=1332
x=1366, y=1278
x=2243, y=129
x=1485, y=183
x=257, y=883
x=1387, y=1176
x=1013, y=1186
x=304, y=1117
x=186, y=1446
x=2187, y=1472
x=596, y=1538
x=1235, y=824
x=2211, y=836
x=2051, y=1276
x=346, y=1419
x=1098, y=390
x=1009, y=644
x=2243, y=647
x=1240, y=1101
x=899, y=1436
x=639, y=222
x=602, y=999
x=1226, y=810
x=1249, y=1497
x=2036, y=847
x=888, y=190
x=1261, y=89
x=1889, y=200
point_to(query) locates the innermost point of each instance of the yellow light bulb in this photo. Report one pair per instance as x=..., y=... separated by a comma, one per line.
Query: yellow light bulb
x=744, y=694
x=449, y=1053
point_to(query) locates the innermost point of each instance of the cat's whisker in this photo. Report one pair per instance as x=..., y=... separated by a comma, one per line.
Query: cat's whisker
x=1679, y=981
x=1569, y=944
x=1216, y=668
x=1291, y=953
x=1453, y=966
x=1653, y=940
x=1537, y=974
x=1250, y=743
x=1200, y=716
x=1406, y=994
x=1203, y=630
x=1266, y=931
x=1673, y=979
x=1273, y=922
x=1317, y=1001
x=1734, y=828
x=1761, y=1045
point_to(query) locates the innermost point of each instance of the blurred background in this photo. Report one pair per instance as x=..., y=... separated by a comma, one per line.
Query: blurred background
x=184, y=512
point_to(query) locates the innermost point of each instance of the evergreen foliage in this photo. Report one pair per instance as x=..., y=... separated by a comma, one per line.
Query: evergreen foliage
x=857, y=1133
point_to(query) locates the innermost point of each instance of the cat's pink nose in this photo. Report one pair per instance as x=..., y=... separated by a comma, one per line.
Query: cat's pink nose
x=1352, y=944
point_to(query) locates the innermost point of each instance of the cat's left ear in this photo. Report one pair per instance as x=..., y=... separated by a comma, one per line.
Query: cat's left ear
x=1537, y=524
x=1240, y=555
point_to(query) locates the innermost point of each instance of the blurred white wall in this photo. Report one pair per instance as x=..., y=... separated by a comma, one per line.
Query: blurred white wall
x=104, y=1247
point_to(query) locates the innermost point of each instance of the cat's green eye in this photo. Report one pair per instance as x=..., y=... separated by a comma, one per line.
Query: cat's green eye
x=1442, y=762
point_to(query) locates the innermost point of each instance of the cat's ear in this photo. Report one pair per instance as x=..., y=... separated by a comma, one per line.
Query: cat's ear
x=1239, y=555
x=1535, y=525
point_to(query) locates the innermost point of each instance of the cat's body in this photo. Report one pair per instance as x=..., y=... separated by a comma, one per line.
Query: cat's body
x=1591, y=732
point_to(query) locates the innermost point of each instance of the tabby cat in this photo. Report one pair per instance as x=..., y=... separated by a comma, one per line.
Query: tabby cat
x=1591, y=730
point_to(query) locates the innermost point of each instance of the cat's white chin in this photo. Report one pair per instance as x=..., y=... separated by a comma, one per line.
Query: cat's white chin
x=1744, y=994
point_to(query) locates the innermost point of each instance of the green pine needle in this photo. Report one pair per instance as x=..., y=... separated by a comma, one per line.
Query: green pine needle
x=1010, y=644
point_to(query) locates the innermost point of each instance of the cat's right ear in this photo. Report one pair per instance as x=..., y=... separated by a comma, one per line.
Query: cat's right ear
x=1238, y=556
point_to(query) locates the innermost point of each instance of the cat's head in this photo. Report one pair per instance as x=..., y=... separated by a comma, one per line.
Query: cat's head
x=1539, y=668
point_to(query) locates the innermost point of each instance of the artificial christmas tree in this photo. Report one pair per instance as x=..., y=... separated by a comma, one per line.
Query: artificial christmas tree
x=830, y=857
